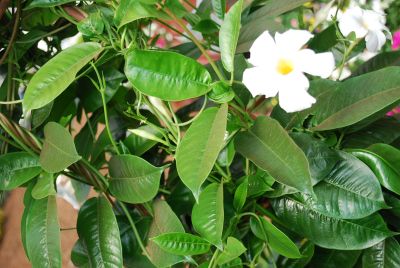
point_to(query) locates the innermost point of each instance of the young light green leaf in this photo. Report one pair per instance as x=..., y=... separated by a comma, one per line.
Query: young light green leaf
x=229, y=35
x=350, y=191
x=99, y=233
x=59, y=150
x=129, y=11
x=166, y=75
x=383, y=254
x=233, y=249
x=182, y=243
x=240, y=196
x=16, y=169
x=44, y=186
x=58, y=73
x=43, y=233
x=208, y=214
x=133, y=179
x=164, y=221
x=269, y=146
x=199, y=148
x=276, y=239
x=219, y=7
x=327, y=231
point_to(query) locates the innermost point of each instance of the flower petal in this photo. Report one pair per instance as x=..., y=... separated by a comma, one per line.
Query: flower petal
x=263, y=50
x=374, y=20
x=352, y=21
x=375, y=40
x=260, y=81
x=293, y=95
x=321, y=64
x=292, y=40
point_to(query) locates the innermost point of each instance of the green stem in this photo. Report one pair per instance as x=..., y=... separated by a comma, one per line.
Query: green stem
x=10, y=102
x=213, y=262
x=103, y=98
x=346, y=55
x=135, y=231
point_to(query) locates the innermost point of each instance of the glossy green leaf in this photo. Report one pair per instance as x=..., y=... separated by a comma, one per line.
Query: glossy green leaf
x=129, y=11
x=199, y=148
x=59, y=150
x=221, y=92
x=208, y=214
x=142, y=139
x=92, y=25
x=269, y=146
x=387, y=175
x=79, y=255
x=320, y=157
x=44, y=186
x=99, y=233
x=40, y=115
x=350, y=191
x=133, y=179
x=382, y=60
x=229, y=35
x=219, y=7
x=164, y=221
x=47, y=3
x=331, y=258
x=166, y=75
x=182, y=243
x=43, y=233
x=276, y=239
x=259, y=183
x=58, y=73
x=327, y=231
x=356, y=99
x=240, y=196
x=385, y=254
x=233, y=249
x=307, y=252
x=17, y=168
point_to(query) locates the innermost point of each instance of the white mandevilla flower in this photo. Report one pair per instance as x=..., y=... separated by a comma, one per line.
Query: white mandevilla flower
x=279, y=67
x=365, y=23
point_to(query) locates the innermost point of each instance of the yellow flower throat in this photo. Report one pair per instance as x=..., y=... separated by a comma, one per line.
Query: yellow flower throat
x=284, y=66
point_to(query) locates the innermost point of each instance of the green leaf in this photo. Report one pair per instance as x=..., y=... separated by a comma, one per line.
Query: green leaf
x=99, y=233
x=324, y=40
x=47, y=3
x=40, y=115
x=269, y=146
x=164, y=221
x=166, y=75
x=199, y=148
x=356, y=99
x=327, y=231
x=208, y=214
x=219, y=7
x=182, y=243
x=350, y=191
x=329, y=258
x=387, y=174
x=307, y=252
x=276, y=239
x=131, y=10
x=221, y=92
x=142, y=139
x=17, y=168
x=79, y=255
x=44, y=186
x=59, y=150
x=58, y=73
x=133, y=179
x=259, y=183
x=233, y=249
x=383, y=254
x=320, y=157
x=240, y=196
x=229, y=35
x=92, y=25
x=43, y=233
x=382, y=60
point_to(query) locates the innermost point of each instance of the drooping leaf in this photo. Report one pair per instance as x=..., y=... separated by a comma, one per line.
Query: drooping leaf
x=388, y=176
x=330, y=232
x=164, y=221
x=199, y=148
x=133, y=179
x=166, y=75
x=43, y=233
x=233, y=249
x=229, y=35
x=17, y=168
x=384, y=254
x=59, y=150
x=356, y=99
x=350, y=191
x=269, y=146
x=99, y=233
x=276, y=239
x=44, y=186
x=208, y=214
x=182, y=243
x=58, y=73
